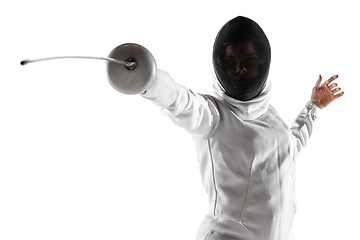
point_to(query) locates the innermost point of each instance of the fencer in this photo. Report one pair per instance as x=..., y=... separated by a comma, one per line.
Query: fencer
x=245, y=151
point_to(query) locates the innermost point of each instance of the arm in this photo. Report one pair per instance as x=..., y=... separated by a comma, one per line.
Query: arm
x=191, y=111
x=321, y=97
x=303, y=125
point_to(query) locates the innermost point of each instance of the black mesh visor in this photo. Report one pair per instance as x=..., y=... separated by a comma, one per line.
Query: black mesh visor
x=241, y=58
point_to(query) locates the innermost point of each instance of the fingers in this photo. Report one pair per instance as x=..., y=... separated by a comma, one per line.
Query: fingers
x=327, y=82
x=317, y=85
x=333, y=85
x=336, y=90
x=338, y=95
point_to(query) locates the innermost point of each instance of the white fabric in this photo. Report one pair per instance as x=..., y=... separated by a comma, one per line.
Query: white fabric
x=246, y=157
x=164, y=91
x=246, y=110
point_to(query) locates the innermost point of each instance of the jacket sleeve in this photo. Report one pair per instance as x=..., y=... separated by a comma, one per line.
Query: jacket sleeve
x=195, y=113
x=304, y=123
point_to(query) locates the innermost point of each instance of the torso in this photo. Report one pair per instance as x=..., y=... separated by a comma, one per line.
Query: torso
x=247, y=169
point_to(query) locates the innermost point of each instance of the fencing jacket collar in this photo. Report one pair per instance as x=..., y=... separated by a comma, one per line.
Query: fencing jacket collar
x=246, y=110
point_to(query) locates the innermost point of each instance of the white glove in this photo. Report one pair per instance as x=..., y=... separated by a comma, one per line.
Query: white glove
x=164, y=91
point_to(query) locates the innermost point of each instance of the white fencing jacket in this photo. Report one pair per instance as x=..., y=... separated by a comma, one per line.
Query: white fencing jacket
x=246, y=155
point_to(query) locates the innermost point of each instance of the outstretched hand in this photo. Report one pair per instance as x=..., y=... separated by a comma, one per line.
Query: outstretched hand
x=325, y=93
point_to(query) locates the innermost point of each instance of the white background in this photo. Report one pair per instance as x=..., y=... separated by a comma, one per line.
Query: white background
x=78, y=160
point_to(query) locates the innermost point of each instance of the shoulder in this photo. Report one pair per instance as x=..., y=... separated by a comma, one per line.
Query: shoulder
x=276, y=116
x=214, y=102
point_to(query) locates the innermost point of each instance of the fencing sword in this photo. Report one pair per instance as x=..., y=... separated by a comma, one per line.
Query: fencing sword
x=131, y=68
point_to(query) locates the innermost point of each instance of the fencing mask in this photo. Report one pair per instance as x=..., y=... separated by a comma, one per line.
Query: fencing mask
x=241, y=58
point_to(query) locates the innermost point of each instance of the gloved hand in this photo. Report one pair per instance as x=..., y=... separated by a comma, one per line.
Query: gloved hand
x=322, y=95
x=163, y=91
